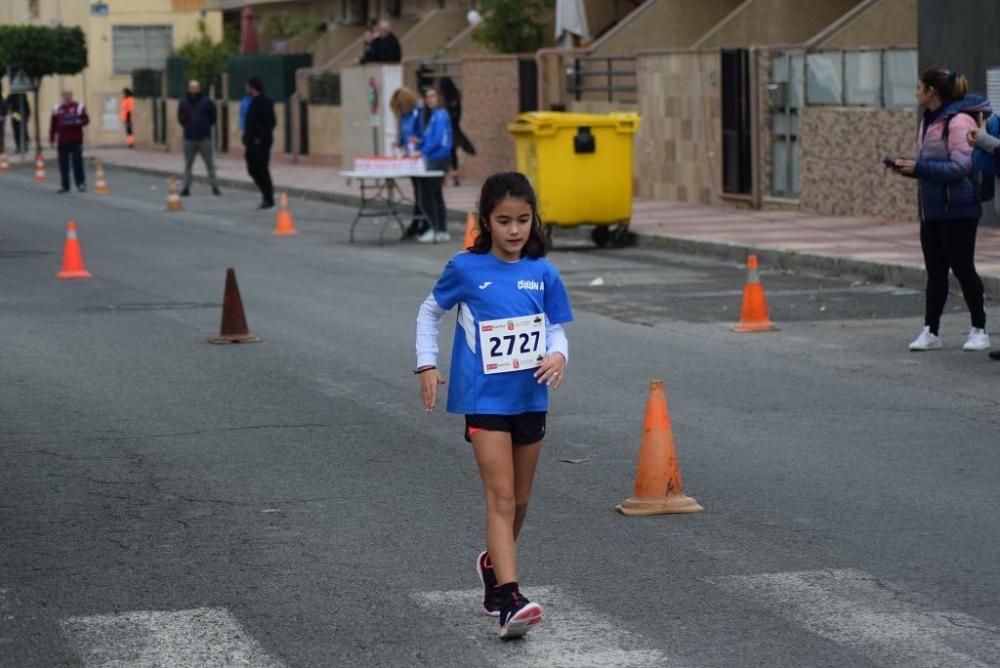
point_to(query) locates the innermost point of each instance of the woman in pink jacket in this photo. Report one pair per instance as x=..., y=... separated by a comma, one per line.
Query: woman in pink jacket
x=948, y=201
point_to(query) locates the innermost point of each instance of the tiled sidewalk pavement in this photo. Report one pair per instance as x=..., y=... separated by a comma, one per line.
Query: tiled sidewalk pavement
x=867, y=247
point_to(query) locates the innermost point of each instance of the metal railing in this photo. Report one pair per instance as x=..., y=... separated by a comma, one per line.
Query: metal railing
x=613, y=77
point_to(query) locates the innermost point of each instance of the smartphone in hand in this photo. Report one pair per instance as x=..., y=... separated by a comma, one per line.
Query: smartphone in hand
x=890, y=163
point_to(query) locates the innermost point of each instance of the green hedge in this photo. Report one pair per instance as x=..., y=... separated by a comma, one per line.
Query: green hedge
x=277, y=72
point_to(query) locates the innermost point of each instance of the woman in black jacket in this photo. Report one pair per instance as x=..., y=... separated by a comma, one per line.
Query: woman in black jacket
x=453, y=105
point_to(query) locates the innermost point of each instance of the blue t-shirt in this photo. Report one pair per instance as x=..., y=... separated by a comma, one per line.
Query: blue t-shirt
x=486, y=288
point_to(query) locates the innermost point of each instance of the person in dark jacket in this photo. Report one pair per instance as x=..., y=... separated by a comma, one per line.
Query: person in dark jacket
x=3, y=123
x=69, y=117
x=948, y=202
x=258, y=136
x=20, y=112
x=453, y=105
x=986, y=158
x=196, y=113
x=384, y=48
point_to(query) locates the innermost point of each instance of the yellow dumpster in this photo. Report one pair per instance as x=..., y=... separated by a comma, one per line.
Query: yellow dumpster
x=581, y=168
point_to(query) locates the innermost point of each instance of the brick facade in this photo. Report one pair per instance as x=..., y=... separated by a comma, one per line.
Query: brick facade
x=489, y=102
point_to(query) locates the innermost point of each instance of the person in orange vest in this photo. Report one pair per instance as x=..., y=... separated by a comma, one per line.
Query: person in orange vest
x=125, y=109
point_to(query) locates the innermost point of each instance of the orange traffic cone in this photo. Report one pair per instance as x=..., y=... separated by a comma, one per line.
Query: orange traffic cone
x=471, y=231
x=40, y=169
x=4, y=163
x=100, y=185
x=658, y=489
x=72, y=265
x=283, y=226
x=754, y=316
x=234, y=320
x=173, y=199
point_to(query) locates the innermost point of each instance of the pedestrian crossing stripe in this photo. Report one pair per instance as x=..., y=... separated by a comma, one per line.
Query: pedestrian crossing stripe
x=572, y=635
x=165, y=639
x=871, y=617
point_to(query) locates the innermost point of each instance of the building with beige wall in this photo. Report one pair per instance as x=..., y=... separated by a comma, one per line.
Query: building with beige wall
x=122, y=35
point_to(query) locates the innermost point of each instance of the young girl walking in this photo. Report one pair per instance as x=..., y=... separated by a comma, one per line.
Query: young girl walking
x=509, y=349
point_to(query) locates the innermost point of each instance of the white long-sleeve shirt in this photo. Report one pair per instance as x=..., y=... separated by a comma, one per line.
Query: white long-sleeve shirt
x=429, y=326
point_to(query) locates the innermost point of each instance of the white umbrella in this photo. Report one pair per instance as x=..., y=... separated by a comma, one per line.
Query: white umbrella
x=571, y=19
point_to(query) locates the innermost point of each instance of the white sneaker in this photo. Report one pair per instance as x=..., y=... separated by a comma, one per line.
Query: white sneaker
x=926, y=341
x=978, y=340
x=427, y=237
x=441, y=236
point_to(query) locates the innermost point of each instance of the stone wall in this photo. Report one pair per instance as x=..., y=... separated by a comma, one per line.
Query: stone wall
x=841, y=162
x=324, y=131
x=489, y=102
x=678, y=149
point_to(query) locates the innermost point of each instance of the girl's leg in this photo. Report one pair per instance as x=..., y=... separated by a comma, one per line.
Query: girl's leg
x=959, y=241
x=525, y=461
x=937, y=274
x=496, y=468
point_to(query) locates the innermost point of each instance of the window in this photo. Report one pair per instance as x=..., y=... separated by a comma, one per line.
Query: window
x=993, y=85
x=133, y=47
x=900, y=76
x=825, y=78
x=863, y=78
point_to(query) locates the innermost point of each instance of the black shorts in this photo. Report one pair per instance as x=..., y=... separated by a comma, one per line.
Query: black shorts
x=524, y=428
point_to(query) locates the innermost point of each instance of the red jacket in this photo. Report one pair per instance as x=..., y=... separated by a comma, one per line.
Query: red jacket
x=67, y=123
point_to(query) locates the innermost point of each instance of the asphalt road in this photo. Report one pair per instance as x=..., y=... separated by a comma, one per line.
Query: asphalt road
x=166, y=502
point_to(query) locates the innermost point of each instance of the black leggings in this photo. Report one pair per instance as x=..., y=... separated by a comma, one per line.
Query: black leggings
x=951, y=244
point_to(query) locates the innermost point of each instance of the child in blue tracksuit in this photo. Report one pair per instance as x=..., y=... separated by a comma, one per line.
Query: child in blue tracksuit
x=509, y=349
x=435, y=147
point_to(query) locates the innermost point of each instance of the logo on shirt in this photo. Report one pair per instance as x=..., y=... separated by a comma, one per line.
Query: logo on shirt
x=530, y=285
x=485, y=285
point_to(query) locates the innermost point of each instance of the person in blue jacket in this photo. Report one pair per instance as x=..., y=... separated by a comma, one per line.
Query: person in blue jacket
x=408, y=112
x=986, y=158
x=435, y=147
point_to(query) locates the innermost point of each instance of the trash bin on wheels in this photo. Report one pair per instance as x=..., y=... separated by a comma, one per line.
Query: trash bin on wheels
x=581, y=168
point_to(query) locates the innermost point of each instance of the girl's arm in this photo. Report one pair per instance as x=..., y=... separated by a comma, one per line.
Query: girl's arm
x=428, y=326
x=555, y=340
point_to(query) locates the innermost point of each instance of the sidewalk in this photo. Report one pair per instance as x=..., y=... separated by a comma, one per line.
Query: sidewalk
x=863, y=247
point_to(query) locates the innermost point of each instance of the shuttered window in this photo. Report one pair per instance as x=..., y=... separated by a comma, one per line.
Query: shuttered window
x=135, y=47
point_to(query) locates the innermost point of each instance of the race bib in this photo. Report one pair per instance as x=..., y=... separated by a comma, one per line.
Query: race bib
x=512, y=344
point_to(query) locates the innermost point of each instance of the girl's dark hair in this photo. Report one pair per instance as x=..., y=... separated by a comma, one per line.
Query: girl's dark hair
x=950, y=86
x=496, y=189
x=427, y=111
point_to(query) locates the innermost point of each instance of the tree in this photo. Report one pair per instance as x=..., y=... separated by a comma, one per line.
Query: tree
x=41, y=51
x=511, y=26
x=206, y=60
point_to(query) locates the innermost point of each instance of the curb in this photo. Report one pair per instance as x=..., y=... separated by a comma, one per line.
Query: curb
x=829, y=265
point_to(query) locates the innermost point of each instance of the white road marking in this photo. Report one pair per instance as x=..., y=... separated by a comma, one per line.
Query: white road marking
x=857, y=610
x=161, y=639
x=571, y=635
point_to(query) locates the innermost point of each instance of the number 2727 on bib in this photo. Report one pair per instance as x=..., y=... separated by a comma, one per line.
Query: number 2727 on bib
x=512, y=344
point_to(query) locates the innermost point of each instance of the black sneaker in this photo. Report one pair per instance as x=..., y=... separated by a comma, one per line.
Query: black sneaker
x=518, y=616
x=82, y=187
x=995, y=355
x=266, y=205
x=492, y=600
x=216, y=191
x=185, y=193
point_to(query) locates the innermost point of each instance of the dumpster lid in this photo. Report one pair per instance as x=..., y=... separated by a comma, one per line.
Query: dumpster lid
x=546, y=122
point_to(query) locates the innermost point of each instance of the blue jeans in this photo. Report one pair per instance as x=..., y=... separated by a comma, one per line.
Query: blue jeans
x=74, y=151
